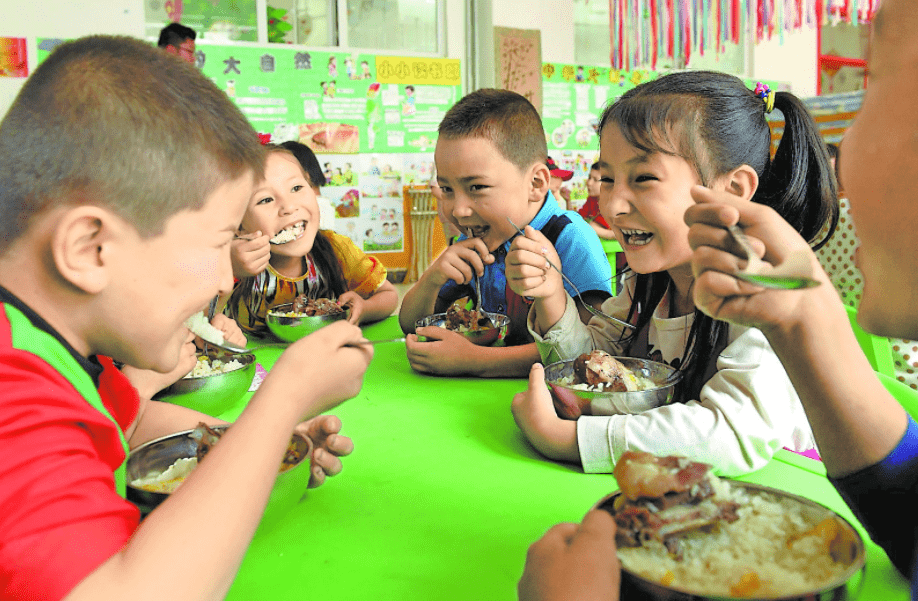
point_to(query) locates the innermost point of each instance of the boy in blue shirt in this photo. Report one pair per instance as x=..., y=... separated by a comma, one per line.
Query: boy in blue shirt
x=490, y=160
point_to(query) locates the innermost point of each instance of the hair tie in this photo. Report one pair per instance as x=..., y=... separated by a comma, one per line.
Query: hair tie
x=264, y=139
x=765, y=93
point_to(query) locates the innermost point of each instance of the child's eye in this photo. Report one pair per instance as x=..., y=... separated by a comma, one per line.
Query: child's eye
x=265, y=200
x=297, y=188
x=644, y=178
x=606, y=180
x=478, y=187
x=446, y=189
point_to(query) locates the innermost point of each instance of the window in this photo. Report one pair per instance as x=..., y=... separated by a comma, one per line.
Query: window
x=396, y=26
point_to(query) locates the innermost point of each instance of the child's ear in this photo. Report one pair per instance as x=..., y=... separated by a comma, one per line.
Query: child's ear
x=81, y=243
x=540, y=178
x=742, y=181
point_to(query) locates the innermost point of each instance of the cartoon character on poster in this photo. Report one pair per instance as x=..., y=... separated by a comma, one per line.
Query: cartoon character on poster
x=373, y=114
x=349, y=68
x=349, y=205
x=408, y=107
x=348, y=174
x=365, y=70
x=332, y=66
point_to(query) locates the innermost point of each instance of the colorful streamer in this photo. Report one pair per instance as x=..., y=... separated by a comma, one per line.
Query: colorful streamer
x=644, y=31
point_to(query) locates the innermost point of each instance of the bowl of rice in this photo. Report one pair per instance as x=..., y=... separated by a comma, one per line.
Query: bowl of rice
x=215, y=384
x=289, y=325
x=650, y=384
x=157, y=468
x=783, y=546
x=490, y=333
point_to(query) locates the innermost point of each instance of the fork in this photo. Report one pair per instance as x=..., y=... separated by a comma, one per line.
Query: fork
x=587, y=306
x=793, y=273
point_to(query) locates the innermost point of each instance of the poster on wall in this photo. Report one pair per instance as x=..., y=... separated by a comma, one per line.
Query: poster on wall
x=13, y=57
x=371, y=120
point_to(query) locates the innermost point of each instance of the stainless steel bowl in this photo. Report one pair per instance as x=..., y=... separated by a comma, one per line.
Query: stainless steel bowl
x=291, y=329
x=213, y=394
x=156, y=456
x=845, y=587
x=571, y=403
x=483, y=337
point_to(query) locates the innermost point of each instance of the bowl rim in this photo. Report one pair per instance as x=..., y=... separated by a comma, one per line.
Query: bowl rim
x=187, y=434
x=673, y=372
x=505, y=319
x=858, y=565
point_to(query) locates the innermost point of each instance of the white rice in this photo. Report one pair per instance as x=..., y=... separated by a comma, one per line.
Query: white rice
x=633, y=383
x=170, y=479
x=288, y=235
x=753, y=553
x=207, y=367
x=199, y=325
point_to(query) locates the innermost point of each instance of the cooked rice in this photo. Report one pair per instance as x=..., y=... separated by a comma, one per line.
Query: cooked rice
x=633, y=382
x=170, y=479
x=199, y=325
x=288, y=235
x=207, y=367
x=751, y=554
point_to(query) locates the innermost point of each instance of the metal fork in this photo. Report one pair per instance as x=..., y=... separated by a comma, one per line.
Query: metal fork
x=793, y=273
x=587, y=306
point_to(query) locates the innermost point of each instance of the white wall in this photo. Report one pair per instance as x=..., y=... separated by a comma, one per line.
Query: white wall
x=63, y=19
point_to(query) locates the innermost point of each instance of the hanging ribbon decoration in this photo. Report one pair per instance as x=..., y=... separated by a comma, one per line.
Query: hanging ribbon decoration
x=644, y=31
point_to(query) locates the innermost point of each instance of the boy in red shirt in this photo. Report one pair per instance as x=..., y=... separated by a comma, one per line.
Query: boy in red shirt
x=124, y=174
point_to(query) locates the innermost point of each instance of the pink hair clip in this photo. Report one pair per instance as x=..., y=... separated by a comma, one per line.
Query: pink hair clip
x=766, y=94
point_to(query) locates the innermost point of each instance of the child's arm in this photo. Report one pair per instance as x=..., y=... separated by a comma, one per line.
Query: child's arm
x=854, y=419
x=460, y=262
x=530, y=274
x=378, y=305
x=233, y=485
x=744, y=414
x=449, y=353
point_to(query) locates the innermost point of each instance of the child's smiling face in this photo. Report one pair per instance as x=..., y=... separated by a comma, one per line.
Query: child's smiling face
x=284, y=207
x=643, y=196
x=481, y=189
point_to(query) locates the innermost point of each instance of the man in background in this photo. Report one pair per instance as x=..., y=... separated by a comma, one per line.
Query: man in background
x=178, y=39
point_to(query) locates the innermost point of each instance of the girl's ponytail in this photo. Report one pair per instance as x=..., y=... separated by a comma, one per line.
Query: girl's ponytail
x=799, y=182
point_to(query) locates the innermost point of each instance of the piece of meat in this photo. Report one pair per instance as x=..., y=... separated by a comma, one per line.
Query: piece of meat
x=663, y=497
x=315, y=306
x=640, y=474
x=600, y=368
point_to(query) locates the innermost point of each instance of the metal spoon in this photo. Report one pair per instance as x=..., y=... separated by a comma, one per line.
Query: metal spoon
x=794, y=273
x=586, y=305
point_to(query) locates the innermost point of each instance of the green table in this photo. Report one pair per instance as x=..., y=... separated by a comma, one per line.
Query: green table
x=442, y=497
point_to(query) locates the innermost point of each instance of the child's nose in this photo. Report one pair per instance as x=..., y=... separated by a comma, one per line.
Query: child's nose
x=461, y=207
x=614, y=201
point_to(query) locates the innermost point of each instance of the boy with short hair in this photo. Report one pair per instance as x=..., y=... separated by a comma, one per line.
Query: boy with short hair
x=491, y=170
x=124, y=175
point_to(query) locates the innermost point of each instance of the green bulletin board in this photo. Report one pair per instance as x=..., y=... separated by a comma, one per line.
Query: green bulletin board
x=371, y=120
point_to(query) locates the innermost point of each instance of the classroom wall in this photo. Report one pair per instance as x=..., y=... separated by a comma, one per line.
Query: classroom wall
x=792, y=59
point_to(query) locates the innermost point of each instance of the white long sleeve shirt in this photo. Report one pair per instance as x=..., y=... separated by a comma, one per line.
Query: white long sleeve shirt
x=746, y=411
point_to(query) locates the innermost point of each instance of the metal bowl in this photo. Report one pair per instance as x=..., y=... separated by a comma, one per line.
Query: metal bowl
x=213, y=394
x=483, y=337
x=845, y=587
x=571, y=403
x=291, y=329
x=155, y=456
